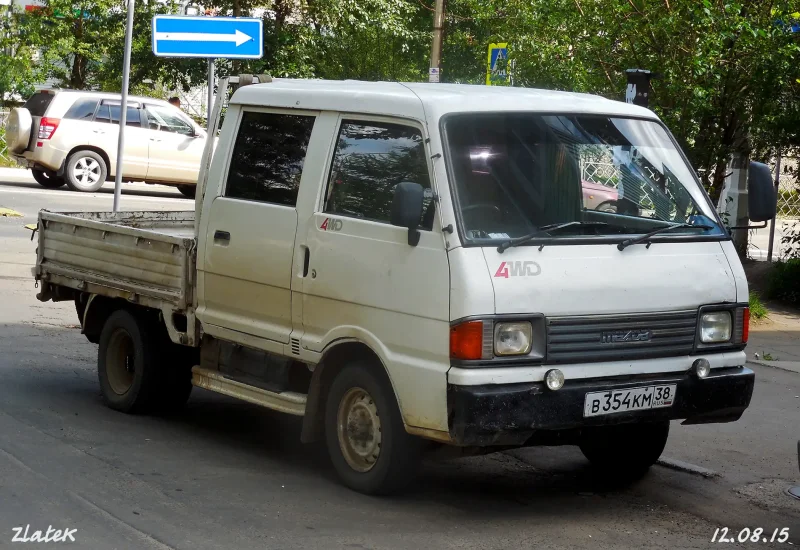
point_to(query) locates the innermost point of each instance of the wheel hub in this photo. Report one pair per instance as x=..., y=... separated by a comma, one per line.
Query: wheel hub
x=120, y=362
x=359, y=429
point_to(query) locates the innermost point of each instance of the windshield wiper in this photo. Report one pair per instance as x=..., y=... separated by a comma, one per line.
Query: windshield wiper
x=641, y=238
x=545, y=229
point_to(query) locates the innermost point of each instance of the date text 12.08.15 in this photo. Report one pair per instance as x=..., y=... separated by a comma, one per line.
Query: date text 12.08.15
x=723, y=534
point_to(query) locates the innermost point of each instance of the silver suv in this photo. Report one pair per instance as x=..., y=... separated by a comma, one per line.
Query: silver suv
x=70, y=137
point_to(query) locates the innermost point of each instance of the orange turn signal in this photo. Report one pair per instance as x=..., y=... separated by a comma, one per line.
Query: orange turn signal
x=466, y=340
x=745, y=325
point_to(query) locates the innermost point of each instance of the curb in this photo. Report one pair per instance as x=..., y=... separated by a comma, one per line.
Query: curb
x=15, y=172
x=682, y=466
x=777, y=365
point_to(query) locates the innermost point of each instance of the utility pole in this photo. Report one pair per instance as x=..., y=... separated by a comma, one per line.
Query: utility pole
x=436, y=48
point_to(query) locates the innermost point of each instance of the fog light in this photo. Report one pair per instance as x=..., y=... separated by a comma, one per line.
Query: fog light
x=702, y=367
x=554, y=379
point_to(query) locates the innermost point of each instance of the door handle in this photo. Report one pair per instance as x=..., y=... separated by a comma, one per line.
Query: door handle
x=306, y=262
x=222, y=236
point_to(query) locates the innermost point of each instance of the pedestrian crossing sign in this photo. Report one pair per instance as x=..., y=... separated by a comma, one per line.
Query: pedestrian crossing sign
x=497, y=65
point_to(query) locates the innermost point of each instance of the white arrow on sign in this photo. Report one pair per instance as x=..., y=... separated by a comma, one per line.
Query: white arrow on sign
x=239, y=37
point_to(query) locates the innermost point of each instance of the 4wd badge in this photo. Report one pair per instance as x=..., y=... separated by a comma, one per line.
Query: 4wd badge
x=518, y=269
x=331, y=224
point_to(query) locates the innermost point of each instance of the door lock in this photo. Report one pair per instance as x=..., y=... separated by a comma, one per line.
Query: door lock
x=313, y=273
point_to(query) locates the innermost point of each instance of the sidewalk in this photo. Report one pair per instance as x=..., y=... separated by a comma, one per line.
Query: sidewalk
x=776, y=340
x=15, y=174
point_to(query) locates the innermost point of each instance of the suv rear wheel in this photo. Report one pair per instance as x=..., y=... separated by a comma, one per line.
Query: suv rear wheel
x=188, y=190
x=47, y=179
x=85, y=171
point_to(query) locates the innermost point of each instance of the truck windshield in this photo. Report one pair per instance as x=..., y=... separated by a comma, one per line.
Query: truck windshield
x=518, y=174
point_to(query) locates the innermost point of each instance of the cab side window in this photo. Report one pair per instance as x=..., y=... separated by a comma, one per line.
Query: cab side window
x=268, y=157
x=371, y=158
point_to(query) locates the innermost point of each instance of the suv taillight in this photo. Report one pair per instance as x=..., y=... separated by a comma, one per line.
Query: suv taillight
x=47, y=127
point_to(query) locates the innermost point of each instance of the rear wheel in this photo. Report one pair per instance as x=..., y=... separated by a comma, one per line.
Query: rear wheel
x=364, y=432
x=47, y=179
x=140, y=371
x=127, y=364
x=188, y=190
x=85, y=171
x=627, y=450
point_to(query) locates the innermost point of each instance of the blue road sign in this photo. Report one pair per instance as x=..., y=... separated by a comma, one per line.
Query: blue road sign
x=496, y=71
x=229, y=37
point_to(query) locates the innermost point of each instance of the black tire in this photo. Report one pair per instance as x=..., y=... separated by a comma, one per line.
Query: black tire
x=188, y=190
x=127, y=364
x=398, y=453
x=609, y=207
x=85, y=171
x=625, y=451
x=48, y=180
x=176, y=376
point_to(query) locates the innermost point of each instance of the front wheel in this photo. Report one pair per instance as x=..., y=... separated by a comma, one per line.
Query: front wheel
x=48, y=180
x=625, y=450
x=364, y=432
x=85, y=171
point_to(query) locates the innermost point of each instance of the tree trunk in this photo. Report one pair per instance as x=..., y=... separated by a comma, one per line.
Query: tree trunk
x=77, y=79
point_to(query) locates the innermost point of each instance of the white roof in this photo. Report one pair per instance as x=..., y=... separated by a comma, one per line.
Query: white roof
x=415, y=100
x=106, y=95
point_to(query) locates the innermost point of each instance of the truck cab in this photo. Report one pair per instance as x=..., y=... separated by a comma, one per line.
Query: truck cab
x=410, y=266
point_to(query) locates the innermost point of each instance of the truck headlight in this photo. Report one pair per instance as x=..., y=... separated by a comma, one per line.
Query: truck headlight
x=715, y=327
x=512, y=338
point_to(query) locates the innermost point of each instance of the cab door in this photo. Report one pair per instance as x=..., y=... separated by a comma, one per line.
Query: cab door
x=246, y=268
x=364, y=281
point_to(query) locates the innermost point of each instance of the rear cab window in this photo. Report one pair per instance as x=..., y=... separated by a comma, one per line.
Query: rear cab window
x=38, y=103
x=268, y=157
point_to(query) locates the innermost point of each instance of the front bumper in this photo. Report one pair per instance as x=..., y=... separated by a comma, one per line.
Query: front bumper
x=516, y=414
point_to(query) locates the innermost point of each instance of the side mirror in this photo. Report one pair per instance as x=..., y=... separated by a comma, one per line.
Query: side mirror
x=762, y=201
x=407, y=208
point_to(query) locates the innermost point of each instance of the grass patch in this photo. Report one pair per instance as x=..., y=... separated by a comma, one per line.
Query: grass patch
x=757, y=309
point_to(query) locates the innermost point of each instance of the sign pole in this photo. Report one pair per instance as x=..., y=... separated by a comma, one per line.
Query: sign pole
x=123, y=109
x=210, y=95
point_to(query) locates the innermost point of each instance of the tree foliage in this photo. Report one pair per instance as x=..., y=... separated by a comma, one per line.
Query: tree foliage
x=729, y=71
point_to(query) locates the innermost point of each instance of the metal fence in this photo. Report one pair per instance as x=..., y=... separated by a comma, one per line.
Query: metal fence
x=3, y=148
x=789, y=188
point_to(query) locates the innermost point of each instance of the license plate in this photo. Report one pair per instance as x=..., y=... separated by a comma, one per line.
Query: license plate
x=629, y=399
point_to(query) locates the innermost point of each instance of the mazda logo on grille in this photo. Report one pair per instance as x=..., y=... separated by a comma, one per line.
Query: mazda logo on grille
x=617, y=336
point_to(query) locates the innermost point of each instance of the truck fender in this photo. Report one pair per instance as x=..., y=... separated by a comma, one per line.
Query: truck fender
x=335, y=356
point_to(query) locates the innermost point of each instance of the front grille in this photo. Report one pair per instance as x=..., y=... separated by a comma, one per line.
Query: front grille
x=620, y=337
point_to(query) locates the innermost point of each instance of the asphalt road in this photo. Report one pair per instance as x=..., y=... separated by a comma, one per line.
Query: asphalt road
x=227, y=475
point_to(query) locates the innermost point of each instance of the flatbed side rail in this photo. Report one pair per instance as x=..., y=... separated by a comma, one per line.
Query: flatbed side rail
x=145, y=257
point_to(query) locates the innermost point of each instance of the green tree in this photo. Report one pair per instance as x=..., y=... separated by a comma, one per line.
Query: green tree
x=729, y=69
